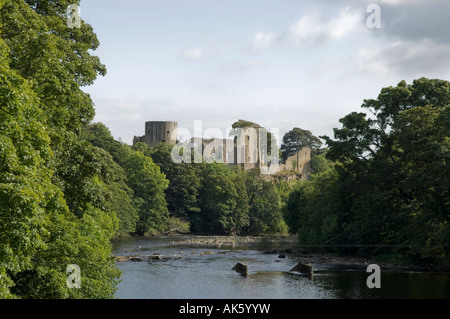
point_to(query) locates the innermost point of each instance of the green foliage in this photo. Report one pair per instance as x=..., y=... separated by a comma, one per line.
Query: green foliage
x=184, y=180
x=211, y=198
x=100, y=136
x=120, y=195
x=320, y=164
x=148, y=184
x=56, y=58
x=219, y=199
x=244, y=123
x=295, y=140
x=54, y=208
x=216, y=199
x=265, y=206
x=236, y=202
x=311, y=210
x=178, y=225
x=135, y=181
x=24, y=181
x=388, y=195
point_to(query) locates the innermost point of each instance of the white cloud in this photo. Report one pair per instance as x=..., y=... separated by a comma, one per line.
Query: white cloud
x=399, y=2
x=368, y=61
x=192, y=54
x=315, y=29
x=239, y=66
x=414, y=58
x=346, y=22
x=262, y=41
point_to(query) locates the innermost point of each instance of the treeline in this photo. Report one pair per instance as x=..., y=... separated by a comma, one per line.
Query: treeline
x=153, y=195
x=67, y=187
x=384, y=188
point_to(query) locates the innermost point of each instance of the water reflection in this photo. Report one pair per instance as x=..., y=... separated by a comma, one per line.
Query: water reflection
x=206, y=273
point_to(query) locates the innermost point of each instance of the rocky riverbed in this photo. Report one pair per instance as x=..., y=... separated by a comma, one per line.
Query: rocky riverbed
x=283, y=246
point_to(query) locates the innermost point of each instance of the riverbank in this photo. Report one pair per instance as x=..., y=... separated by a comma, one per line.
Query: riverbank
x=287, y=247
x=284, y=247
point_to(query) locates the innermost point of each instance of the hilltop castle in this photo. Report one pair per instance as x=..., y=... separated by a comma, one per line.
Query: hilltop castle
x=244, y=150
x=157, y=132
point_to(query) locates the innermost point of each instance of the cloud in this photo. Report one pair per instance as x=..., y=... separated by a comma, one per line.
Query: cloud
x=396, y=3
x=427, y=20
x=404, y=58
x=192, y=54
x=390, y=3
x=414, y=38
x=370, y=62
x=262, y=41
x=239, y=66
x=315, y=29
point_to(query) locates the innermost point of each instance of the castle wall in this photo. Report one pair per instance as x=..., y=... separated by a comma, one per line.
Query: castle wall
x=246, y=149
x=157, y=132
x=299, y=162
x=243, y=151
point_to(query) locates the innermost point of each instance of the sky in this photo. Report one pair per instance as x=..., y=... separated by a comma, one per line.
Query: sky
x=281, y=64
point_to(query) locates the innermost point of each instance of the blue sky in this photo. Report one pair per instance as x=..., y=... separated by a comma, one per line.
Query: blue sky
x=282, y=64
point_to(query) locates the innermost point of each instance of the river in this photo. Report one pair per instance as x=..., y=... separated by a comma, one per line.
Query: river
x=190, y=272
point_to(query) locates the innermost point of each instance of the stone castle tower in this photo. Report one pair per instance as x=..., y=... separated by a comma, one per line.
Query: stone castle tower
x=244, y=150
x=157, y=132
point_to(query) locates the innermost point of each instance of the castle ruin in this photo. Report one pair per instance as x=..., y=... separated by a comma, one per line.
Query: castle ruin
x=158, y=132
x=244, y=150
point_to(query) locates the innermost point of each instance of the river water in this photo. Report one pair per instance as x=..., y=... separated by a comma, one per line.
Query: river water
x=188, y=272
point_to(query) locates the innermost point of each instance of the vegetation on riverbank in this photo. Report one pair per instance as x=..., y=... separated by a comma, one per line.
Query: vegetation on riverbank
x=386, y=192
x=280, y=246
x=55, y=208
x=199, y=198
x=67, y=188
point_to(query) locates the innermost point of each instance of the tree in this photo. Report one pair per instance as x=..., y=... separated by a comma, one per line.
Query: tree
x=223, y=204
x=248, y=124
x=242, y=210
x=120, y=196
x=100, y=136
x=25, y=186
x=244, y=123
x=56, y=58
x=312, y=210
x=394, y=171
x=38, y=235
x=113, y=157
x=295, y=140
x=148, y=184
x=61, y=200
x=184, y=181
x=265, y=207
x=320, y=164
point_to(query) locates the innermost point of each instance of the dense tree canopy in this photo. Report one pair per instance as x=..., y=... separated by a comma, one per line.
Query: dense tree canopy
x=184, y=181
x=54, y=209
x=390, y=190
x=136, y=182
x=67, y=187
x=295, y=140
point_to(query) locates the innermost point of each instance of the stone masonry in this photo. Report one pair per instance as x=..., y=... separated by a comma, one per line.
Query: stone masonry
x=244, y=150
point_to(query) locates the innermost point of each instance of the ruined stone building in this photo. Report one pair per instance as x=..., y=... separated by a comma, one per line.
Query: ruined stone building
x=299, y=162
x=157, y=132
x=243, y=150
